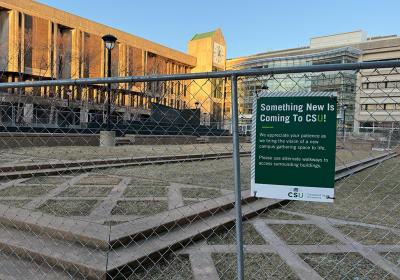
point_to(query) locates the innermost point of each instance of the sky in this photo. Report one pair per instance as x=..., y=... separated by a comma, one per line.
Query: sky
x=249, y=26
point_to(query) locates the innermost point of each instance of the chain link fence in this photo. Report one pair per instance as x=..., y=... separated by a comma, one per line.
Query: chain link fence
x=140, y=178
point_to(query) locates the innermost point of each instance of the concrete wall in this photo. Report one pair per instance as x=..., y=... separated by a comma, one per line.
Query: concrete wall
x=18, y=139
x=338, y=39
x=157, y=139
x=223, y=139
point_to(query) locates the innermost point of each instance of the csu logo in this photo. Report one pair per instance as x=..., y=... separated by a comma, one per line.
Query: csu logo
x=295, y=193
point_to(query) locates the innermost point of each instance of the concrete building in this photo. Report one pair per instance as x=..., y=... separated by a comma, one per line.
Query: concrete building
x=210, y=50
x=39, y=42
x=371, y=99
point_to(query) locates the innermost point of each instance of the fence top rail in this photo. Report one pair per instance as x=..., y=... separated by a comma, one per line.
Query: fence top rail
x=207, y=75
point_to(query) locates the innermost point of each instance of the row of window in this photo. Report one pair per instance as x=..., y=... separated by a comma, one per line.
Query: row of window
x=54, y=56
x=384, y=107
x=381, y=85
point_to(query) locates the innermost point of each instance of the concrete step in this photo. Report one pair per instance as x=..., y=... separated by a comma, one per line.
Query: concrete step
x=91, y=263
x=79, y=231
x=14, y=268
x=137, y=253
x=126, y=233
x=73, y=258
x=131, y=244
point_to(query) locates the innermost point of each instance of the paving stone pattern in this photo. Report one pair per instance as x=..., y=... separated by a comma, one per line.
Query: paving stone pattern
x=335, y=256
x=102, y=198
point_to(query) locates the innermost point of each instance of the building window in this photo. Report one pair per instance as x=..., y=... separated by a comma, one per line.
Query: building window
x=382, y=85
x=390, y=107
x=365, y=85
x=393, y=84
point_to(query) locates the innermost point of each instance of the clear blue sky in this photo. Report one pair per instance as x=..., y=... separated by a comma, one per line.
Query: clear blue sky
x=249, y=26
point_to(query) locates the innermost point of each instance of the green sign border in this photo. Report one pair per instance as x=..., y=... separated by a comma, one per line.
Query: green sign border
x=304, y=191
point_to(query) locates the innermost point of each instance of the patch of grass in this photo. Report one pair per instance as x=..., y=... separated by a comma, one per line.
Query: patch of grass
x=392, y=257
x=228, y=236
x=142, y=182
x=15, y=203
x=140, y=208
x=348, y=266
x=258, y=266
x=279, y=215
x=50, y=180
x=344, y=156
x=371, y=196
x=68, y=207
x=26, y=191
x=200, y=193
x=169, y=268
x=98, y=180
x=302, y=234
x=127, y=151
x=148, y=191
x=369, y=236
x=83, y=191
x=211, y=173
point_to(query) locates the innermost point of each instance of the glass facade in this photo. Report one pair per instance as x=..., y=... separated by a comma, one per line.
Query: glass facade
x=344, y=83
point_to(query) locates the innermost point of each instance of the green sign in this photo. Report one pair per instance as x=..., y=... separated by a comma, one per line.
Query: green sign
x=294, y=144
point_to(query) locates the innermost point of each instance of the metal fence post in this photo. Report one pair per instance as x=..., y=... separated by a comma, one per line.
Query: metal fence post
x=236, y=164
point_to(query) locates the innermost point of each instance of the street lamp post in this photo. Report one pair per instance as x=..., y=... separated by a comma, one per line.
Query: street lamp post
x=69, y=115
x=109, y=43
x=69, y=93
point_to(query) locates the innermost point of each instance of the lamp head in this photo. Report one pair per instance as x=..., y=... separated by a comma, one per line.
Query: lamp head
x=109, y=41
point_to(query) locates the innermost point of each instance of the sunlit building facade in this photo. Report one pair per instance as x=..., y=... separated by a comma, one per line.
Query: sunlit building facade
x=38, y=42
x=366, y=101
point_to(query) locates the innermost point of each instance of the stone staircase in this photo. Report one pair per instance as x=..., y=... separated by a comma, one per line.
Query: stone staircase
x=71, y=249
x=34, y=245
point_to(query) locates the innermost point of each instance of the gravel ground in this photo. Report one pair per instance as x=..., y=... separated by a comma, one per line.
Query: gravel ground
x=91, y=152
x=345, y=156
x=68, y=207
x=83, y=191
x=140, y=208
x=200, y=193
x=143, y=182
x=258, y=266
x=370, y=236
x=210, y=173
x=228, y=236
x=51, y=180
x=349, y=266
x=371, y=196
x=148, y=191
x=170, y=268
x=303, y=234
x=15, y=203
x=393, y=257
x=98, y=180
x=43, y=154
x=26, y=191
